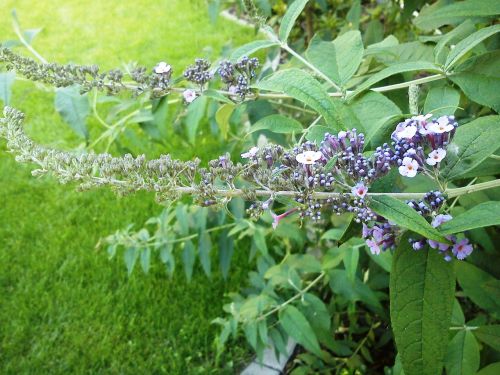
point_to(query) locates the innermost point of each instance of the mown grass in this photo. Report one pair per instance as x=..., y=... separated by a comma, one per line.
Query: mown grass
x=64, y=307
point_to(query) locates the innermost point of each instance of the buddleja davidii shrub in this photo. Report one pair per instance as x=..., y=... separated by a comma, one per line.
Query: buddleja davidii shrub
x=332, y=171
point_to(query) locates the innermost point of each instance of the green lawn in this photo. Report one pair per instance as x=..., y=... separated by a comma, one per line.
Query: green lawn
x=64, y=307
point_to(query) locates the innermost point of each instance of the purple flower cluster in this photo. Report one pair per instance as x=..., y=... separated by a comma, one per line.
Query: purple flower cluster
x=431, y=203
x=199, y=73
x=238, y=76
x=380, y=237
x=418, y=135
x=428, y=207
x=339, y=165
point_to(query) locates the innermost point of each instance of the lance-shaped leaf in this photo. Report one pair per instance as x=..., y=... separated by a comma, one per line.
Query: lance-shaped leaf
x=296, y=325
x=437, y=16
x=482, y=215
x=278, y=124
x=73, y=108
x=490, y=335
x=340, y=59
x=377, y=115
x=463, y=354
x=469, y=43
x=472, y=143
x=291, y=15
x=396, y=69
x=442, y=100
x=305, y=88
x=188, y=258
x=479, y=79
x=6, y=81
x=422, y=285
x=493, y=369
x=252, y=47
x=400, y=213
x=481, y=287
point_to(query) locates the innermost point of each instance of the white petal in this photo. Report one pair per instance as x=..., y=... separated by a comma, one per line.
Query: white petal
x=403, y=170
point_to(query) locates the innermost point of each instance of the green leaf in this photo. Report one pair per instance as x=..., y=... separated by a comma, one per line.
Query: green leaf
x=400, y=213
x=226, y=250
x=146, y=259
x=317, y=313
x=478, y=285
x=471, y=144
x=396, y=69
x=250, y=330
x=297, y=326
x=252, y=47
x=350, y=260
x=188, y=258
x=340, y=59
x=482, y=215
x=375, y=113
x=73, y=108
x=182, y=218
x=259, y=240
x=222, y=117
x=463, y=354
x=6, y=81
x=384, y=259
x=305, y=88
x=493, y=369
x=401, y=53
x=490, y=335
x=213, y=94
x=456, y=12
x=457, y=315
x=354, y=14
x=353, y=290
x=195, y=114
x=167, y=257
x=469, y=43
x=422, y=285
x=453, y=37
x=130, y=257
x=480, y=78
x=288, y=20
x=204, y=248
x=278, y=124
x=441, y=101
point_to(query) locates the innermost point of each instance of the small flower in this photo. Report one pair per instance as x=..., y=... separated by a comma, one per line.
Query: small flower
x=278, y=218
x=374, y=247
x=407, y=132
x=409, y=167
x=440, y=219
x=359, y=190
x=366, y=232
x=162, y=68
x=441, y=125
x=436, y=156
x=342, y=134
x=308, y=157
x=462, y=249
x=189, y=95
x=438, y=245
x=378, y=234
x=418, y=245
x=251, y=153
